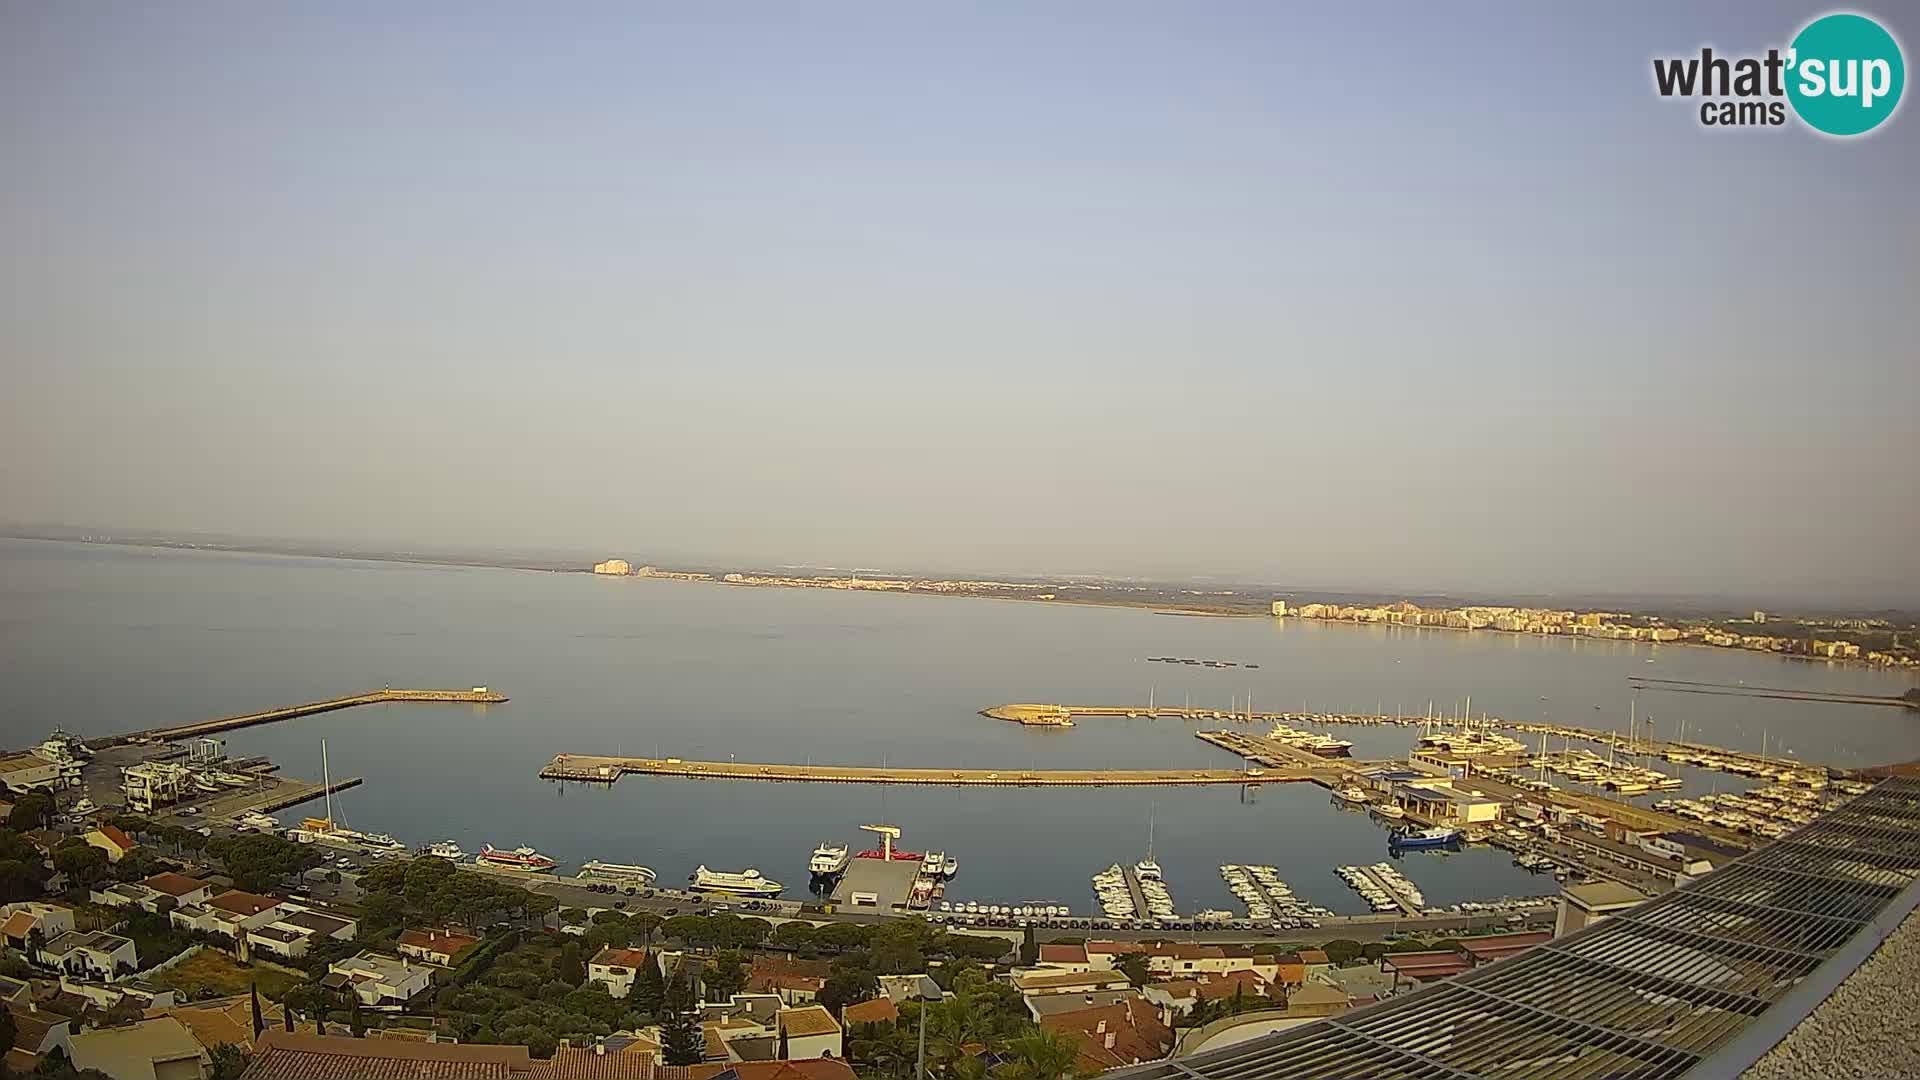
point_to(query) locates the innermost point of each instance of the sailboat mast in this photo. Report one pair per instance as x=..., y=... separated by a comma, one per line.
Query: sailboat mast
x=326, y=780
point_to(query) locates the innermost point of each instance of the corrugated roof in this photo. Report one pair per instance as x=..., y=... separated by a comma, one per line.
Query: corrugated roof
x=1649, y=993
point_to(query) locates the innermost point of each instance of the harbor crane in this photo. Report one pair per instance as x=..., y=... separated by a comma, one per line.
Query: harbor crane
x=888, y=834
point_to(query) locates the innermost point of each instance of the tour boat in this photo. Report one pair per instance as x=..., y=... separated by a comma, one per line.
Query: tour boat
x=523, y=859
x=1438, y=836
x=447, y=849
x=829, y=860
x=634, y=872
x=745, y=883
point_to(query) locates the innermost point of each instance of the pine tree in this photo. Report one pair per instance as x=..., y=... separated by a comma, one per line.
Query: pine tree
x=649, y=989
x=680, y=1039
x=259, y=1021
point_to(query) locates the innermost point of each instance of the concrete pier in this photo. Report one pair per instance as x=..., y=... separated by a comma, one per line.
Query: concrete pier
x=477, y=696
x=606, y=770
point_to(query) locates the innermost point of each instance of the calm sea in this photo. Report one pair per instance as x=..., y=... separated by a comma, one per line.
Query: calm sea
x=102, y=639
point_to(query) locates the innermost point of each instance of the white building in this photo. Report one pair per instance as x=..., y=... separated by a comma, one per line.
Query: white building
x=616, y=969
x=294, y=929
x=153, y=784
x=811, y=1032
x=378, y=980
x=27, y=916
x=27, y=772
x=95, y=954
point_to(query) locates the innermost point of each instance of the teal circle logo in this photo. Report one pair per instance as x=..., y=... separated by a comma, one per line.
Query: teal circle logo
x=1845, y=74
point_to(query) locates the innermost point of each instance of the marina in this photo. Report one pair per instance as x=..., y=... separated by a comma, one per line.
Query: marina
x=1384, y=888
x=1269, y=900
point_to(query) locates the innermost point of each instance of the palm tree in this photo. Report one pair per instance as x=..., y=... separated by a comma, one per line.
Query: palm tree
x=1043, y=1055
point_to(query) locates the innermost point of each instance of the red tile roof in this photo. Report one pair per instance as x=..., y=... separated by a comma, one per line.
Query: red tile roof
x=880, y=1010
x=116, y=837
x=804, y=1069
x=173, y=884
x=244, y=904
x=626, y=958
x=1063, y=954
x=1133, y=1025
x=280, y=1056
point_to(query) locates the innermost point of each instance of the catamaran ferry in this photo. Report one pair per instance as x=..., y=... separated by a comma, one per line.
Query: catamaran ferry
x=634, y=872
x=745, y=883
x=523, y=859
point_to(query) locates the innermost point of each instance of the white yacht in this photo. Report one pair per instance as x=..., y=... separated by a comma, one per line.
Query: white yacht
x=829, y=860
x=949, y=866
x=447, y=849
x=932, y=862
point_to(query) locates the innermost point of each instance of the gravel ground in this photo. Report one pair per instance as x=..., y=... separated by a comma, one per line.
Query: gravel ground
x=1869, y=1027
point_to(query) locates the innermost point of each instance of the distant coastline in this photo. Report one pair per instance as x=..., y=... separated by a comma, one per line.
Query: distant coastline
x=1178, y=599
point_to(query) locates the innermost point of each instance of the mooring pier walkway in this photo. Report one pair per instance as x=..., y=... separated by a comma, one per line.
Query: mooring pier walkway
x=606, y=770
x=479, y=695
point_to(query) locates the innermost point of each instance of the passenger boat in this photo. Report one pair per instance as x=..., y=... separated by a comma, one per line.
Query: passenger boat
x=446, y=849
x=1351, y=794
x=1438, y=836
x=829, y=860
x=523, y=859
x=634, y=872
x=745, y=883
x=949, y=866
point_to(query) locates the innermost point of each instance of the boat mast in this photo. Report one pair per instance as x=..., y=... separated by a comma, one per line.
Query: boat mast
x=326, y=780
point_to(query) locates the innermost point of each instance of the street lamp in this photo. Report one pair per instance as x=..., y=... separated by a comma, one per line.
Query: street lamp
x=926, y=991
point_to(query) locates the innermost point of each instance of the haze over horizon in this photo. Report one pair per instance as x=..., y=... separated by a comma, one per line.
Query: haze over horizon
x=1440, y=300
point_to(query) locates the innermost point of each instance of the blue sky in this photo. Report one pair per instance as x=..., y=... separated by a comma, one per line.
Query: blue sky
x=1412, y=297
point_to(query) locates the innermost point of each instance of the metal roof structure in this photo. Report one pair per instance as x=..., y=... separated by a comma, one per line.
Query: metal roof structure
x=1702, y=979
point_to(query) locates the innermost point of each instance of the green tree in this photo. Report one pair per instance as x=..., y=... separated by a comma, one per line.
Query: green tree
x=33, y=810
x=793, y=936
x=846, y=988
x=680, y=1038
x=1029, y=947
x=1043, y=1055
x=649, y=993
x=724, y=975
x=84, y=864
x=228, y=1061
x=571, y=969
x=258, y=862
x=574, y=916
x=1135, y=967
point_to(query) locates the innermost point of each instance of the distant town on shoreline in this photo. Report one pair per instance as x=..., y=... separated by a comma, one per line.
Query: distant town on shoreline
x=1888, y=638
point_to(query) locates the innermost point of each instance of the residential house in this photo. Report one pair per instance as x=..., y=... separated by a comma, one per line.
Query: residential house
x=880, y=1010
x=184, y=890
x=435, y=946
x=810, y=1031
x=376, y=979
x=1124, y=1033
x=229, y=914
x=295, y=928
x=282, y=1056
x=158, y=1049
x=95, y=954
x=111, y=840
x=809, y=1069
x=1065, y=957
x=797, y=982
x=1042, y=1006
x=616, y=969
x=37, y=1031
x=1035, y=981
x=24, y=918
x=15, y=991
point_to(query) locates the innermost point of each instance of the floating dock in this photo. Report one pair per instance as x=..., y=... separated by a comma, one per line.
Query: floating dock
x=479, y=695
x=606, y=770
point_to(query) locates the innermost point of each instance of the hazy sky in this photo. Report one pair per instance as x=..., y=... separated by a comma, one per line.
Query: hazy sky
x=1440, y=297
